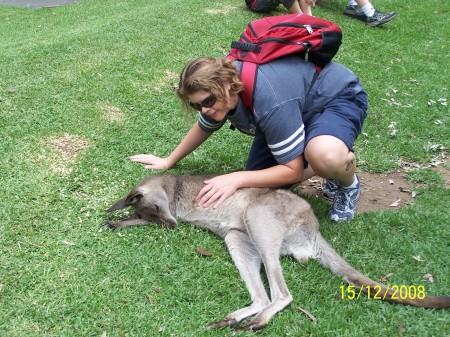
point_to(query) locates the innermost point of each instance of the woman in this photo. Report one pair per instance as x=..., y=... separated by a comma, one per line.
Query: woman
x=299, y=130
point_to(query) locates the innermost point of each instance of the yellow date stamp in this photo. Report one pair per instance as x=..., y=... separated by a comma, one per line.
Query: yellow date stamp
x=377, y=292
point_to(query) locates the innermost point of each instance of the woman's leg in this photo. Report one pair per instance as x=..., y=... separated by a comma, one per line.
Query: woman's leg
x=330, y=158
x=330, y=137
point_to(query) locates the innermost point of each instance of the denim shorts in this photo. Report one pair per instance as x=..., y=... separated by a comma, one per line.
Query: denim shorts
x=342, y=117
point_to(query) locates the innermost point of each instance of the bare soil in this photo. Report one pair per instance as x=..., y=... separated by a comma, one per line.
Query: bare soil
x=378, y=191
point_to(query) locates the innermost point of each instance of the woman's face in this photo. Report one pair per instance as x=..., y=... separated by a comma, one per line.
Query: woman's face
x=209, y=105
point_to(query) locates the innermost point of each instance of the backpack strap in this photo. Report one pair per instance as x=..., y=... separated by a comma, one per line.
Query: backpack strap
x=252, y=4
x=248, y=76
x=313, y=81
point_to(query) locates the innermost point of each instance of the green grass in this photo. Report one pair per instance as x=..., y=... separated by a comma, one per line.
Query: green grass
x=100, y=75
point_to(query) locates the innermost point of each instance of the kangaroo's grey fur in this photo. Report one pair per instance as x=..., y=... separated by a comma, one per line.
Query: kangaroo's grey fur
x=257, y=225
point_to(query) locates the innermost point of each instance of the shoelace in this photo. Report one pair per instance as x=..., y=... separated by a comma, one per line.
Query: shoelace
x=341, y=200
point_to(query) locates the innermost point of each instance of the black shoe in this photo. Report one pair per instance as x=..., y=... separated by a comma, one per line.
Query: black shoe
x=378, y=18
x=355, y=12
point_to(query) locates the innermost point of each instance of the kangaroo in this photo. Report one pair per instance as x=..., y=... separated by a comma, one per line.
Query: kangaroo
x=258, y=226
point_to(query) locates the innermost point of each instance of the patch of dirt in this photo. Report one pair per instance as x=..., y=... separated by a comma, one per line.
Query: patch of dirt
x=114, y=114
x=378, y=191
x=170, y=78
x=65, y=150
x=225, y=10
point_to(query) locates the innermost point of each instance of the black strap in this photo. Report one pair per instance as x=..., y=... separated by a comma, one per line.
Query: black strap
x=245, y=46
x=313, y=81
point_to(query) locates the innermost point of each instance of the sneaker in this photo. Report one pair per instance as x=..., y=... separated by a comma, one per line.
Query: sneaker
x=330, y=188
x=378, y=18
x=355, y=12
x=344, y=204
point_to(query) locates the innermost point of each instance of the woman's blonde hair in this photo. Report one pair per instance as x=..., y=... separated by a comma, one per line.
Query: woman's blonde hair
x=211, y=75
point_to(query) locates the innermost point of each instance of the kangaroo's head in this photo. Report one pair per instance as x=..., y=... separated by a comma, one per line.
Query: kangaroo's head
x=150, y=201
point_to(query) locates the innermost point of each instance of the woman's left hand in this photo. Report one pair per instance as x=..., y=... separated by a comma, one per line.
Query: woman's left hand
x=218, y=189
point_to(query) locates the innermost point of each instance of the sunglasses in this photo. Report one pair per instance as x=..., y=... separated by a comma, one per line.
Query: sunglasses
x=206, y=103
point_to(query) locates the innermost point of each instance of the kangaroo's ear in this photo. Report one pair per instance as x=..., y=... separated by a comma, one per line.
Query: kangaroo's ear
x=126, y=201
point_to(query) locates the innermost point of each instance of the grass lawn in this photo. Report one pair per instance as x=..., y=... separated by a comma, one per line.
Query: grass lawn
x=84, y=86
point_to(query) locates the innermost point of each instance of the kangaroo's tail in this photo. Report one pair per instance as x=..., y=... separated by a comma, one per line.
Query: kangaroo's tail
x=414, y=296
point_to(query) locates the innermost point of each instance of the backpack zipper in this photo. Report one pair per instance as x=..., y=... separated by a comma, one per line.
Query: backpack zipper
x=308, y=45
x=309, y=28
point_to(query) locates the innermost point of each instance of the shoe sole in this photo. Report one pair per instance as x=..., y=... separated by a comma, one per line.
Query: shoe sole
x=340, y=220
x=381, y=22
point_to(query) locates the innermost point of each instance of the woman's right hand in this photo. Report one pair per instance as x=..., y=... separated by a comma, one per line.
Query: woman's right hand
x=151, y=162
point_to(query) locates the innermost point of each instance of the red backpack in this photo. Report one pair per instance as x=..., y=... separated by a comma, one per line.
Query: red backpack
x=273, y=37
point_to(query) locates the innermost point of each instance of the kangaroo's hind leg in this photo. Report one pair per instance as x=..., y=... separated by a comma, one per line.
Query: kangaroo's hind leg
x=248, y=262
x=267, y=233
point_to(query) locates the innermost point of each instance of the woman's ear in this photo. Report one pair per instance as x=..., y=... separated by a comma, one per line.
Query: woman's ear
x=227, y=91
x=230, y=96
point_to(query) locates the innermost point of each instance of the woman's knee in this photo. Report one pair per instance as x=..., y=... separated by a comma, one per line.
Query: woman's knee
x=328, y=155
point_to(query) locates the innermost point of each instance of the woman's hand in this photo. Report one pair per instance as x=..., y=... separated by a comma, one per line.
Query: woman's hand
x=218, y=189
x=151, y=162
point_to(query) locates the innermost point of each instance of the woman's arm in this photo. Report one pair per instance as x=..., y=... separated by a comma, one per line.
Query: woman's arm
x=218, y=189
x=193, y=139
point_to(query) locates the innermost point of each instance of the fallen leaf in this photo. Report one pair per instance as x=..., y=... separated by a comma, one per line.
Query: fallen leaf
x=413, y=194
x=69, y=243
x=203, y=251
x=395, y=203
x=429, y=277
x=311, y=317
x=150, y=298
x=104, y=334
x=418, y=258
x=385, y=277
x=161, y=329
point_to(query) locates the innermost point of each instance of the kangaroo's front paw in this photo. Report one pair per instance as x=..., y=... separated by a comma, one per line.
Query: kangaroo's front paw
x=110, y=224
